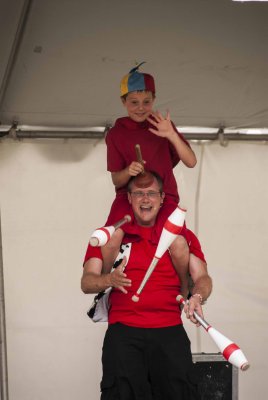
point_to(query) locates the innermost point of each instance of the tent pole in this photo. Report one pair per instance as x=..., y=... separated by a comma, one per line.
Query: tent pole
x=14, y=51
x=3, y=350
x=17, y=132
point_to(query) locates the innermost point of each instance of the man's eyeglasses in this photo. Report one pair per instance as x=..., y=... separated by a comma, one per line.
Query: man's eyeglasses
x=151, y=194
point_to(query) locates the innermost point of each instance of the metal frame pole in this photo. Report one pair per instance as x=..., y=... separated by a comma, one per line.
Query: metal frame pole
x=3, y=347
x=14, y=50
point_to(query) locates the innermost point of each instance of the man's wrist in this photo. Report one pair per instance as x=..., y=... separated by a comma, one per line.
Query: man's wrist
x=200, y=297
x=107, y=280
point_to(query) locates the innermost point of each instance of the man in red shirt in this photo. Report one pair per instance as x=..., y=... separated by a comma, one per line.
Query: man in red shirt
x=146, y=351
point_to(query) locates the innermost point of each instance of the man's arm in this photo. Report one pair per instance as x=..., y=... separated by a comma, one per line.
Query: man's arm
x=201, y=279
x=94, y=281
x=202, y=287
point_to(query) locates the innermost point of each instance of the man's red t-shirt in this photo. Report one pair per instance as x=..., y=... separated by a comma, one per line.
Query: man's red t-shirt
x=157, y=306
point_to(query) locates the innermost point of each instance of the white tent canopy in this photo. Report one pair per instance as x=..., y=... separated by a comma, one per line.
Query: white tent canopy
x=62, y=61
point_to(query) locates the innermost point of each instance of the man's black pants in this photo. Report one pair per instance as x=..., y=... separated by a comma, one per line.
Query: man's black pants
x=147, y=364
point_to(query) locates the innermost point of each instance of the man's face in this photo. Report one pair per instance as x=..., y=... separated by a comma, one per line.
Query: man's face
x=146, y=203
x=139, y=105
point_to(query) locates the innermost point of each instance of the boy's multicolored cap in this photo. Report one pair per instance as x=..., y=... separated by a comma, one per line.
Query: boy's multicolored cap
x=136, y=80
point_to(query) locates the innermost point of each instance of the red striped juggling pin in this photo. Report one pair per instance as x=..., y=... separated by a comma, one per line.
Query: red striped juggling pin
x=171, y=229
x=102, y=235
x=230, y=351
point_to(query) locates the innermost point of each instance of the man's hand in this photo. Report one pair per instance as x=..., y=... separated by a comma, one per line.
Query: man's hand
x=118, y=279
x=193, y=304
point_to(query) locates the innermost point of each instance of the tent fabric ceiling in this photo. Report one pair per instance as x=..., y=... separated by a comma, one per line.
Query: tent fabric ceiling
x=209, y=59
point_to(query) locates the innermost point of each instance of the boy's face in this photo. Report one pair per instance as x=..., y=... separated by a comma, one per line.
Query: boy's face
x=139, y=105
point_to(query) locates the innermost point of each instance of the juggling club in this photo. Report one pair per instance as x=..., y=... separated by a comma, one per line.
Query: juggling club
x=171, y=229
x=230, y=351
x=102, y=235
x=139, y=155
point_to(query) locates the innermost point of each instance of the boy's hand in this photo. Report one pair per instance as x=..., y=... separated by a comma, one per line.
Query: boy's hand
x=162, y=124
x=135, y=168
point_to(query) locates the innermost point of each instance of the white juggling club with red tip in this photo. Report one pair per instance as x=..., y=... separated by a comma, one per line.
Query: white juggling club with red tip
x=171, y=229
x=230, y=351
x=102, y=235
